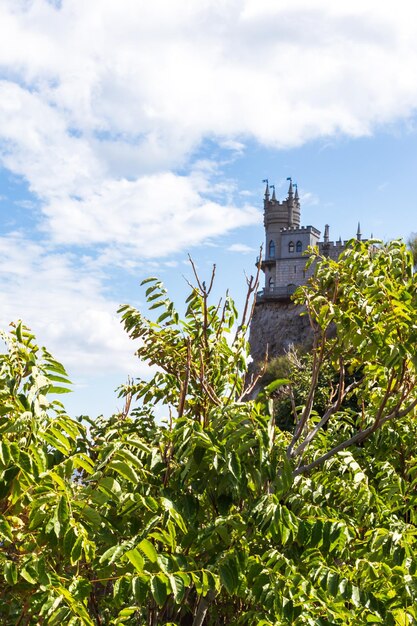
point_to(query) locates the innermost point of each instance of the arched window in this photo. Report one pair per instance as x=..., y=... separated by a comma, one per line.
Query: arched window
x=271, y=250
x=299, y=246
x=291, y=247
x=271, y=283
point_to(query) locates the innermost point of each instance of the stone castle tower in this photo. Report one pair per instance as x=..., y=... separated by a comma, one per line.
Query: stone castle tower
x=276, y=323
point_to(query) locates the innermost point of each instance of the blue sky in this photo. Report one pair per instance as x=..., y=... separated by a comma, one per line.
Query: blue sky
x=134, y=133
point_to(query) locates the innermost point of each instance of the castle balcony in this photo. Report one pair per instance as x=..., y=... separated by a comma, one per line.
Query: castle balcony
x=265, y=262
x=275, y=293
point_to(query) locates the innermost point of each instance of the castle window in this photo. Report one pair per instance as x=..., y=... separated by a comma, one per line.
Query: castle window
x=271, y=250
x=271, y=283
x=299, y=246
x=291, y=247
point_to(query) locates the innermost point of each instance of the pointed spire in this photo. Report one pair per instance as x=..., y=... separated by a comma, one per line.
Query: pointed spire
x=273, y=193
x=326, y=234
x=359, y=234
x=290, y=189
x=265, y=180
x=296, y=198
x=340, y=239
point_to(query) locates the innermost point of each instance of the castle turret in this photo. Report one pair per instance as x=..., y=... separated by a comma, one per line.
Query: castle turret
x=358, y=233
x=285, y=243
x=278, y=215
x=325, y=247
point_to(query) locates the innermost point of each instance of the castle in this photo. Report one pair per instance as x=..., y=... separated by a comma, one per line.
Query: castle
x=276, y=323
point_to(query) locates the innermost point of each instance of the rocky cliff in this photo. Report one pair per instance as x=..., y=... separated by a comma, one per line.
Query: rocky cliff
x=275, y=326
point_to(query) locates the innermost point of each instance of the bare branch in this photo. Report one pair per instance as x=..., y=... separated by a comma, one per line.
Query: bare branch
x=184, y=386
x=252, y=283
x=317, y=362
x=360, y=436
x=200, y=286
x=255, y=378
x=332, y=409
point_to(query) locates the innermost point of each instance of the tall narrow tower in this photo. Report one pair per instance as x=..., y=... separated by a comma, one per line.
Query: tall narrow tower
x=285, y=243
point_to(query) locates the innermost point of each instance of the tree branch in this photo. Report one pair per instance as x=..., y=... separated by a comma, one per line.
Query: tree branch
x=358, y=438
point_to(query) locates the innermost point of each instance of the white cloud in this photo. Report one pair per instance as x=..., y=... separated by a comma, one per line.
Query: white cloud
x=233, y=145
x=64, y=305
x=308, y=198
x=241, y=248
x=154, y=214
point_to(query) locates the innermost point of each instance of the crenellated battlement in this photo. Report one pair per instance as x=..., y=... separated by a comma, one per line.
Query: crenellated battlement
x=334, y=244
x=295, y=229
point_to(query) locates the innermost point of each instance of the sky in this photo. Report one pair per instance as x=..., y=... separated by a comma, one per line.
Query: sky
x=134, y=133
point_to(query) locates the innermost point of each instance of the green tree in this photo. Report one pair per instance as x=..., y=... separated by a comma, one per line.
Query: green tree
x=412, y=245
x=217, y=516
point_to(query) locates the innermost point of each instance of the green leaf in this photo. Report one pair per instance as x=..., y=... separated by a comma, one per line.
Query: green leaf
x=129, y=458
x=5, y=455
x=137, y=443
x=5, y=529
x=111, y=554
x=57, y=439
x=148, y=550
x=136, y=559
x=10, y=572
x=62, y=510
x=279, y=382
x=229, y=575
x=124, y=470
x=82, y=460
x=110, y=486
x=58, y=616
x=28, y=573
x=177, y=587
x=159, y=589
x=150, y=279
x=18, y=332
x=402, y=618
x=140, y=588
x=76, y=551
x=92, y=516
x=54, y=389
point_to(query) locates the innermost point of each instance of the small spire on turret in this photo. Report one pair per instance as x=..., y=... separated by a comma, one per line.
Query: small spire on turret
x=296, y=198
x=290, y=189
x=358, y=233
x=326, y=234
x=265, y=180
x=273, y=193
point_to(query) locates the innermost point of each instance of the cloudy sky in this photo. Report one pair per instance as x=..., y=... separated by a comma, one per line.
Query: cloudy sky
x=134, y=132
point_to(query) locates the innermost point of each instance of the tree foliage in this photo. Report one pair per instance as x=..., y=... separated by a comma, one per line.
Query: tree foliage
x=412, y=246
x=217, y=516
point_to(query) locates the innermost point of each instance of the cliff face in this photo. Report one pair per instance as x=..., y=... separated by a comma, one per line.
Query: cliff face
x=277, y=325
